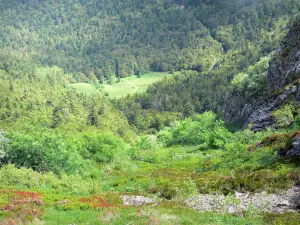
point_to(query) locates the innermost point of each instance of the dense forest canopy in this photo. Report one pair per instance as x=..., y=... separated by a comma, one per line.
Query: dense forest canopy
x=88, y=38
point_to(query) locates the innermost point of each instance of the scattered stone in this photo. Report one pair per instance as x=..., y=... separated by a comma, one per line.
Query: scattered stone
x=287, y=201
x=63, y=202
x=137, y=200
x=239, y=202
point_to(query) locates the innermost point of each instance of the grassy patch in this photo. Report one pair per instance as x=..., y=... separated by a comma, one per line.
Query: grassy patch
x=127, y=85
x=54, y=216
x=84, y=88
x=143, y=215
x=133, y=84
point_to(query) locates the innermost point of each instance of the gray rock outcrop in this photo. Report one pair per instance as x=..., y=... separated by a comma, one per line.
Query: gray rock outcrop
x=137, y=200
x=286, y=201
x=283, y=87
x=240, y=202
x=295, y=150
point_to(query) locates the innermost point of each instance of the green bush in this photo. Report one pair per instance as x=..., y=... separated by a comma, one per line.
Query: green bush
x=46, y=152
x=105, y=148
x=204, y=130
x=11, y=176
x=284, y=116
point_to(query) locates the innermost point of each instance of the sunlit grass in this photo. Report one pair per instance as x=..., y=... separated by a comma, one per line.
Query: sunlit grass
x=133, y=84
x=84, y=88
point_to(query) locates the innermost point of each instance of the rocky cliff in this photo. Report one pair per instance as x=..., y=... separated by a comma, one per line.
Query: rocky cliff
x=283, y=87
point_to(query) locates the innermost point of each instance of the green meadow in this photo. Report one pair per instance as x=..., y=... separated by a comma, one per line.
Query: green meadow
x=125, y=86
x=84, y=88
x=133, y=84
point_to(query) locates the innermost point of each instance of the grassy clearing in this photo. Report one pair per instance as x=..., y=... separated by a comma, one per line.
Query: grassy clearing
x=53, y=216
x=133, y=84
x=127, y=85
x=84, y=88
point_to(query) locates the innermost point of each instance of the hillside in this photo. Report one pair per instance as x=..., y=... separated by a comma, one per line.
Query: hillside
x=89, y=38
x=209, y=136
x=279, y=105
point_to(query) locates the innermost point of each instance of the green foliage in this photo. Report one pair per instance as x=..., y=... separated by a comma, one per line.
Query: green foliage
x=254, y=80
x=284, y=116
x=188, y=189
x=165, y=215
x=204, y=130
x=84, y=88
x=44, y=103
x=146, y=143
x=23, y=178
x=88, y=38
x=3, y=146
x=105, y=148
x=46, y=152
x=64, y=136
x=53, y=216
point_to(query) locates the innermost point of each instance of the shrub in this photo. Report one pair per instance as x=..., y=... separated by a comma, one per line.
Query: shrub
x=104, y=148
x=204, y=130
x=27, y=178
x=284, y=116
x=146, y=143
x=46, y=152
x=187, y=189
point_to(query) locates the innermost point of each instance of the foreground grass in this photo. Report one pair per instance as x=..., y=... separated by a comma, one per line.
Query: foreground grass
x=133, y=84
x=169, y=173
x=20, y=209
x=143, y=215
x=62, y=202
x=43, y=208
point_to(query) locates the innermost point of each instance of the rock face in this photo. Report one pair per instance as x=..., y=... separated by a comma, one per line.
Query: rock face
x=295, y=150
x=283, y=86
x=285, y=68
x=258, y=112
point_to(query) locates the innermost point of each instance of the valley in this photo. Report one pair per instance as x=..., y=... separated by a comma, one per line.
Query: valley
x=161, y=112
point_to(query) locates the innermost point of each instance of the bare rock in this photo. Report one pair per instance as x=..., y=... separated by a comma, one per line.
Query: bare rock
x=283, y=86
x=239, y=202
x=137, y=200
x=63, y=202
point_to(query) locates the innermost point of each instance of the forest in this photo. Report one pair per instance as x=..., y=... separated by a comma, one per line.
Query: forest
x=149, y=112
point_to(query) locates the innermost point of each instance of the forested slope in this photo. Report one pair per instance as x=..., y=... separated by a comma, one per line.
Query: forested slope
x=97, y=39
